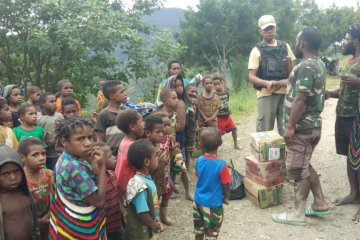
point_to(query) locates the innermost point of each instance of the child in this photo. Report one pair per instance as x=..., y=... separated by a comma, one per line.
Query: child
x=115, y=211
x=154, y=131
x=28, y=127
x=33, y=155
x=48, y=118
x=191, y=88
x=209, y=105
x=77, y=199
x=195, y=151
x=130, y=122
x=66, y=90
x=17, y=208
x=13, y=97
x=141, y=196
x=225, y=122
x=212, y=187
x=33, y=95
x=69, y=108
x=170, y=100
x=106, y=128
x=7, y=135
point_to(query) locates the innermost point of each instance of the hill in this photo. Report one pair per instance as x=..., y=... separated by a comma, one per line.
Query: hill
x=166, y=18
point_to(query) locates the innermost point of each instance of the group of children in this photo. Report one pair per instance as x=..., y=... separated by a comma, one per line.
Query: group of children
x=111, y=177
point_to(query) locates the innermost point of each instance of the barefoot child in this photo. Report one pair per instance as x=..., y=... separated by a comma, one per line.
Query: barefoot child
x=225, y=122
x=7, y=135
x=17, y=207
x=130, y=122
x=170, y=101
x=33, y=155
x=28, y=128
x=48, y=118
x=141, y=196
x=66, y=90
x=212, y=187
x=12, y=94
x=77, y=199
x=115, y=211
x=154, y=131
x=209, y=105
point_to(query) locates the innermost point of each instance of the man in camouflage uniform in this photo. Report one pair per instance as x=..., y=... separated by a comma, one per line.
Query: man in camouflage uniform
x=304, y=103
x=348, y=95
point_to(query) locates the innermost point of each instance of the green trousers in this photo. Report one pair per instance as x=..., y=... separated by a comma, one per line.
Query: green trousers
x=269, y=109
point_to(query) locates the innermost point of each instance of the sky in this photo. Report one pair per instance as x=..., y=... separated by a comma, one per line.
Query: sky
x=192, y=3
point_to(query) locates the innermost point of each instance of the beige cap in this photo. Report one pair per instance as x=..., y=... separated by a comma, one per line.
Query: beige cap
x=265, y=21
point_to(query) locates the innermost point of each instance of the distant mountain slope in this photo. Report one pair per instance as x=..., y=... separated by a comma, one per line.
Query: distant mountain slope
x=166, y=18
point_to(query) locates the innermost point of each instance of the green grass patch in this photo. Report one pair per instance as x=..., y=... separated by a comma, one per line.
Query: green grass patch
x=243, y=102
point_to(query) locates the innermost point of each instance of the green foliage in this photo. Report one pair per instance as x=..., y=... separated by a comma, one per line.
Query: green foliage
x=239, y=73
x=221, y=31
x=243, y=102
x=44, y=41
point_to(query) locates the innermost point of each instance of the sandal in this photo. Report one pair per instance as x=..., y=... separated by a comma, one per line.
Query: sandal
x=282, y=218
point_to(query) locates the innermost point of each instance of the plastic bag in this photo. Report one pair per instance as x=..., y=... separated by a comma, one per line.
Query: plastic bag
x=237, y=189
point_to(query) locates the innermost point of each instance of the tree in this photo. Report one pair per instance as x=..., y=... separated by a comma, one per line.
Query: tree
x=223, y=30
x=44, y=41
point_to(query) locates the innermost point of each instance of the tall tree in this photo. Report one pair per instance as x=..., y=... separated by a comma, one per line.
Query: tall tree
x=44, y=41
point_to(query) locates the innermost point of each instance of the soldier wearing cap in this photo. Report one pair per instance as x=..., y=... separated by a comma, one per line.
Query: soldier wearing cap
x=269, y=66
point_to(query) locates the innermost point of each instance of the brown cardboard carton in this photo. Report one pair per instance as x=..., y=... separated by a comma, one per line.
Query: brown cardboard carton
x=261, y=196
x=265, y=173
x=267, y=146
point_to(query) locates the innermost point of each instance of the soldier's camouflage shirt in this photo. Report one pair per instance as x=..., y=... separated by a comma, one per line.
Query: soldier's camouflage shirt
x=349, y=94
x=308, y=76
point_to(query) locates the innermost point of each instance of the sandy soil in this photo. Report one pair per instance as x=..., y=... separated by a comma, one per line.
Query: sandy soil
x=243, y=220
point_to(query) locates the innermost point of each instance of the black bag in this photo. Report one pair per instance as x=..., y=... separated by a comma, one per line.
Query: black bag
x=237, y=189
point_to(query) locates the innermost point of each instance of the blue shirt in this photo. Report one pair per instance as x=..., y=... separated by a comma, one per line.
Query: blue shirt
x=140, y=201
x=212, y=174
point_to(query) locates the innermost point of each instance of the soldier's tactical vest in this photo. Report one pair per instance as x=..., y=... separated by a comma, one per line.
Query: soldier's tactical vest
x=271, y=65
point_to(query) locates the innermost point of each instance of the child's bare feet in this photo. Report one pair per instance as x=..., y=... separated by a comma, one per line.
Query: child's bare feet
x=236, y=147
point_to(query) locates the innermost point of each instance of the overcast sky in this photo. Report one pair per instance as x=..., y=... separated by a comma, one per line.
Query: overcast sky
x=322, y=3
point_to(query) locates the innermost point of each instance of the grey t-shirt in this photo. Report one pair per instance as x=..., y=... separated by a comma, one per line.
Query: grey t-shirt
x=106, y=123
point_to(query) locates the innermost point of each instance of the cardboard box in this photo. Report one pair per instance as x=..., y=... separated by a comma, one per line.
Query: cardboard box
x=265, y=173
x=261, y=196
x=267, y=146
x=264, y=182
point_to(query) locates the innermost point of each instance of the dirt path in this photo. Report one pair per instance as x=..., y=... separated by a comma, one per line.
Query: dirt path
x=243, y=220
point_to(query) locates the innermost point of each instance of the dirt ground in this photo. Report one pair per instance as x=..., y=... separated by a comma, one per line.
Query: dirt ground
x=243, y=220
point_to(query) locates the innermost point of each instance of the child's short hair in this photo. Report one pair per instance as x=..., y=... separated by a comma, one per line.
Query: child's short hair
x=110, y=87
x=218, y=78
x=151, y=121
x=23, y=108
x=32, y=90
x=44, y=96
x=61, y=83
x=190, y=85
x=26, y=143
x=210, y=139
x=138, y=151
x=160, y=114
x=67, y=101
x=165, y=93
x=204, y=78
x=68, y=125
x=125, y=118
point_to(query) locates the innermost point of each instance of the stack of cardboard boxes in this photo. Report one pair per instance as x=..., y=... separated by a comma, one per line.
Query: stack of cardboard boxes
x=265, y=169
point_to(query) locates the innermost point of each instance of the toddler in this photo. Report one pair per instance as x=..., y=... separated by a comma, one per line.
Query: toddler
x=7, y=135
x=12, y=94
